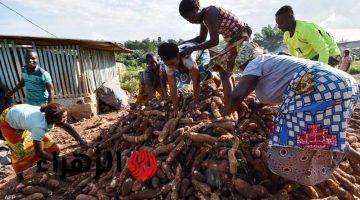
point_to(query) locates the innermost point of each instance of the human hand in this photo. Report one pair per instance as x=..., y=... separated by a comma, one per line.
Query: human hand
x=9, y=94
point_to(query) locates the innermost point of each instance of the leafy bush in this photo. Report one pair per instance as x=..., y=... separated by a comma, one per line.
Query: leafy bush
x=355, y=68
x=129, y=79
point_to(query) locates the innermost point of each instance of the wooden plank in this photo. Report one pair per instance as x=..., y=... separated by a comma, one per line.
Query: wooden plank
x=95, y=74
x=41, y=60
x=67, y=51
x=88, y=70
x=3, y=76
x=55, y=72
x=83, y=66
x=61, y=71
x=5, y=63
x=44, y=61
x=11, y=69
x=95, y=68
x=18, y=67
x=67, y=68
x=21, y=50
x=102, y=68
x=77, y=60
x=81, y=73
x=64, y=67
x=48, y=68
x=73, y=59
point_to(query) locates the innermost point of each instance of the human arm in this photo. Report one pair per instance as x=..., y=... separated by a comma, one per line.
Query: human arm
x=37, y=134
x=195, y=78
x=211, y=19
x=46, y=78
x=228, y=88
x=50, y=89
x=245, y=86
x=68, y=128
x=11, y=93
x=38, y=147
x=173, y=90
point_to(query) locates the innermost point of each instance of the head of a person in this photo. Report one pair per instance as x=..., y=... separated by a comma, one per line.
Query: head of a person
x=248, y=51
x=150, y=59
x=285, y=18
x=169, y=53
x=347, y=52
x=190, y=10
x=54, y=113
x=31, y=58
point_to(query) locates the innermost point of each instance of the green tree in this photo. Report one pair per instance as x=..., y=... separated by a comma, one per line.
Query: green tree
x=270, y=38
x=140, y=49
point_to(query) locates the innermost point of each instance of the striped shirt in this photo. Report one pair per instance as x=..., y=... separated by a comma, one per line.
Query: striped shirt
x=35, y=85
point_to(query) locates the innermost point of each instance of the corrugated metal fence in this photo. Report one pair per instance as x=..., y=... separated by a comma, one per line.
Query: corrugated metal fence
x=75, y=72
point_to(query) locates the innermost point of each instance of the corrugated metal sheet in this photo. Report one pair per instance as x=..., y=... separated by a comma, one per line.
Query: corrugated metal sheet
x=86, y=44
x=75, y=71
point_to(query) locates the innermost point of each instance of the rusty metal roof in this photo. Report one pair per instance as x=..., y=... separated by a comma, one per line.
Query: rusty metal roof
x=90, y=44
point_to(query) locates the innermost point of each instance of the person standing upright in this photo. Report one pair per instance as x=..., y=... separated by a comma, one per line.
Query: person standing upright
x=346, y=61
x=37, y=82
x=306, y=39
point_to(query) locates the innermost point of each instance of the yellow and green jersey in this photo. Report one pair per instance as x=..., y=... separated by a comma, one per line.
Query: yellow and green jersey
x=309, y=41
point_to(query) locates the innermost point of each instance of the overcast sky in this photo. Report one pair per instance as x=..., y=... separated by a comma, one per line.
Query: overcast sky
x=121, y=20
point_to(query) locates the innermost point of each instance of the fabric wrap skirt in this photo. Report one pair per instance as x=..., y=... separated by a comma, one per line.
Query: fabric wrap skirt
x=309, y=139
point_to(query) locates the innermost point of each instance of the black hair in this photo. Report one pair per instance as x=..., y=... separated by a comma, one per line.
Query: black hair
x=347, y=50
x=284, y=9
x=187, y=6
x=168, y=51
x=53, y=111
x=149, y=55
x=28, y=51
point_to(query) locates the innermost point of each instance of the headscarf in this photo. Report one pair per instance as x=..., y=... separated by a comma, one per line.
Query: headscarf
x=248, y=51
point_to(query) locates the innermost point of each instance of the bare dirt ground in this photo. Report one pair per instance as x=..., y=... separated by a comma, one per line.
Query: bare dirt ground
x=90, y=129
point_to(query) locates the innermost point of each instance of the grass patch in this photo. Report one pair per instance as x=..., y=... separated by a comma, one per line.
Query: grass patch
x=355, y=68
x=129, y=79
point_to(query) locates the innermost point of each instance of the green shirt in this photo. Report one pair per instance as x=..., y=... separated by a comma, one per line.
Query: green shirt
x=35, y=85
x=310, y=40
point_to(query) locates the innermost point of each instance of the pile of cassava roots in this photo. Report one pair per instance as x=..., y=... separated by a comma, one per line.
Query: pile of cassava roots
x=200, y=154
